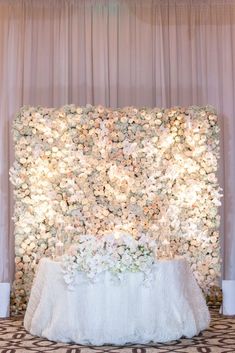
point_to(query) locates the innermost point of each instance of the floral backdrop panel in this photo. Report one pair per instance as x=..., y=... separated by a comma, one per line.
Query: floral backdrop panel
x=94, y=170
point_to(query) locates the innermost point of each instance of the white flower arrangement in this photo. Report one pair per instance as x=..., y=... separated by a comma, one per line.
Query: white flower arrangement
x=142, y=170
x=116, y=253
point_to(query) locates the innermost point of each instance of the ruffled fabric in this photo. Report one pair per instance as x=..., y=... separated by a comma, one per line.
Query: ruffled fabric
x=117, y=312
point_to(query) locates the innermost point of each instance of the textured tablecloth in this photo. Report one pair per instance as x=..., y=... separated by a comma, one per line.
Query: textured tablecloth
x=170, y=306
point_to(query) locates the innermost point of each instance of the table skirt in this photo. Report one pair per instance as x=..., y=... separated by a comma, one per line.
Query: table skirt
x=110, y=311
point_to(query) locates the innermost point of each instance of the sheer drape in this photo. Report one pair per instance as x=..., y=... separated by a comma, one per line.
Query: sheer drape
x=117, y=53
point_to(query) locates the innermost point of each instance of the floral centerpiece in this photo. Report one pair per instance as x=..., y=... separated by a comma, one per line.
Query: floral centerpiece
x=116, y=253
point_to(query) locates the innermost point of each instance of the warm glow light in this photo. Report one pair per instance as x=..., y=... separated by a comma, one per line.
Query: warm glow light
x=96, y=171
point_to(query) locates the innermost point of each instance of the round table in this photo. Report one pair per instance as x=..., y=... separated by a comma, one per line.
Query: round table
x=111, y=311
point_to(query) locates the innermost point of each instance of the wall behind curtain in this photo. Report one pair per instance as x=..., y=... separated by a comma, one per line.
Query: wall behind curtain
x=117, y=53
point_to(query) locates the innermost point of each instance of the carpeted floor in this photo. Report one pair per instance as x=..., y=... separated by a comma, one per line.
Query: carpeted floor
x=219, y=338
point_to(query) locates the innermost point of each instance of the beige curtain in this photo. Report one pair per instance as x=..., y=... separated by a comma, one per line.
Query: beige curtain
x=117, y=53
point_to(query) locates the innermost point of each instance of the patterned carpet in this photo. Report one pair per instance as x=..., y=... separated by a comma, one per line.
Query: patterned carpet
x=219, y=338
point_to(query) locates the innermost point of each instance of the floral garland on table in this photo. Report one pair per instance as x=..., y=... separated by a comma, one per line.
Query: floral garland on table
x=116, y=253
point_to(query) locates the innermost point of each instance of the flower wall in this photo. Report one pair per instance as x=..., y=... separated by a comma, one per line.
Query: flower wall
x=93, y=170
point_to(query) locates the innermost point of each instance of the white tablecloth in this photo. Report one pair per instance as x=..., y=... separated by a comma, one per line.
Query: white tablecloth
x=107, y=311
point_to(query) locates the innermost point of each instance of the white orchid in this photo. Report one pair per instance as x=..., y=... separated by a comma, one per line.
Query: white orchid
x=110, y=253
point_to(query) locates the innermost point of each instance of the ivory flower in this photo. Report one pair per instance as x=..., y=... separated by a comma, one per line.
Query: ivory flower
x=150, y=171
